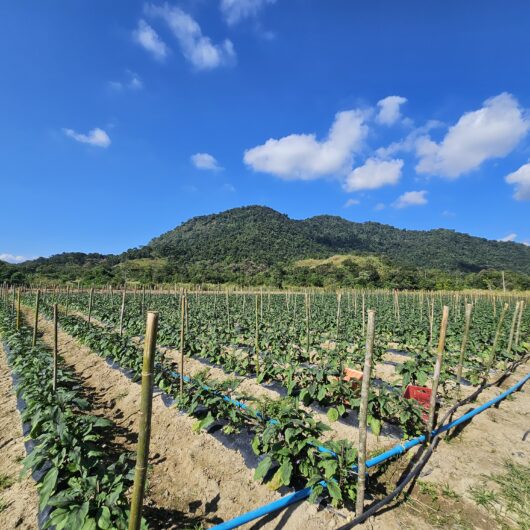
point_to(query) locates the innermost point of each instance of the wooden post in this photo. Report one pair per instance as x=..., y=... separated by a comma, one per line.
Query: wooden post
x=518, y=329
x=55, y=348
x=144, y=434
x=18, y=308
x=512, y=328
x=307, y=326
x=36, y=322
x=363, y=412
x=90, y=299
x=465, y=336
x=122, y=311
x=182, y=338
x=437, y=370
x=256, y=346
x=67, y=300
x=496, y=340
x=339, y=297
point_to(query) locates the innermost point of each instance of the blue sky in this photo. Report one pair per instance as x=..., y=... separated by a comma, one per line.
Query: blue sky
x=119, y=120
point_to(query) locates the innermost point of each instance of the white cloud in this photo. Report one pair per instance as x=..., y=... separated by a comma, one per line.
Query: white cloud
x=196, y=47
x=205, y=161
x=229, y=187
x=373, y=174
x=303, y=157
x=389, y=109
x=351, y=202
x=96, y=137
x=411, y=198
x=492, y=131
x=379, y=206
x=134, y=82
x=11, y=258
x=236, y=10
x=509, y=237
x=521, y=179
x=148, y=38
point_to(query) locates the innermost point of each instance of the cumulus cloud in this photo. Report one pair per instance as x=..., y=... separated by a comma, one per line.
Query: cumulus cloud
x=96, y=137
x=196, y=47
x=148, y=38
x=521, y=179
x=389, y=109
x=303, y=157
x=411, y=198
x=351, y=202
x=373, y=174
x=205, y=161
x=508, y=237
x=11, y=258
x=492, y=131
x=236, y=10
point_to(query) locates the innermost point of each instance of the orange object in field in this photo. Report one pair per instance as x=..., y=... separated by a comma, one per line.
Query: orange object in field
x=422, y=395
x=352, y=375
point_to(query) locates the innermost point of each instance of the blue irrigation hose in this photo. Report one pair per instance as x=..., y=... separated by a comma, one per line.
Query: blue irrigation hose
x=397, y=450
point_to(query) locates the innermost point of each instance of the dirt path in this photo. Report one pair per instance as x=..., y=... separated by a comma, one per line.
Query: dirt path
x=194, y=478
x=18, y=497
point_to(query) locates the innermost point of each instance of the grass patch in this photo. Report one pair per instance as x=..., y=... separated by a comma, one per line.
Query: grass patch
x=506, y=495
x=5, y=482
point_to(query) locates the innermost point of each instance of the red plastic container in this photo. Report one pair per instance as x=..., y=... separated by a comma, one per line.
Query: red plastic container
x=422, y=395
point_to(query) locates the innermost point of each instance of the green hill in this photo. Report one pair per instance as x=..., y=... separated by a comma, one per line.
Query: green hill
x=256, y=244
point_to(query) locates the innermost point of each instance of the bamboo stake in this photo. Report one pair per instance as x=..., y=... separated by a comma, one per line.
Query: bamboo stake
x=512, y=328
x=67, y=300
x=36, y=322
x=496, y=339
x=90, y=299
x=18, y=308
x=256, y=347
x=437, y=370
x=363, y=413
x=182, y=338
x=55, y=348
x=467, y=324
x=339, y=297
x=146, y=404
x=122, y=312
x=518, y=330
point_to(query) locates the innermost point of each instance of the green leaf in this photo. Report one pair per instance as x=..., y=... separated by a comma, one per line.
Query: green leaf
x=104, y=518
x=333, y=414
x=334, y=491
x=375, y=425
x=263, y=468
x=285, y=471
x=48, y=487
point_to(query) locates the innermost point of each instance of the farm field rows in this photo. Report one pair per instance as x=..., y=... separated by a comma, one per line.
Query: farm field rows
x=249, y=358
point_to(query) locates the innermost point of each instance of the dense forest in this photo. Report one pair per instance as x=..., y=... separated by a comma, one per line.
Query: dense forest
x=256, y=245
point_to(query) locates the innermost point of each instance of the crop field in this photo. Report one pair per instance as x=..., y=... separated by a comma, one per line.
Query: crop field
x=261, y=394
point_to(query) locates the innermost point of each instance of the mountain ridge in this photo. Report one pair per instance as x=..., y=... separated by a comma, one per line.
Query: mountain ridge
x=256, y=243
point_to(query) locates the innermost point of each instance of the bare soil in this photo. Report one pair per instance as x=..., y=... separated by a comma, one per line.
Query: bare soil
x=18, y=496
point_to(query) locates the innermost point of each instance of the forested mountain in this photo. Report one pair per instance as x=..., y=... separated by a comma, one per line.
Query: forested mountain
x=263, y=235
x=256, y=244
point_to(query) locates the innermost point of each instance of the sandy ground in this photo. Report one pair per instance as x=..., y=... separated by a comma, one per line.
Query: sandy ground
x=18, y=496
x=219, y=485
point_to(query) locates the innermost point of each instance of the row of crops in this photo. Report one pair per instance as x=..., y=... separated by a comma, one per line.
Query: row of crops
x=302, y=342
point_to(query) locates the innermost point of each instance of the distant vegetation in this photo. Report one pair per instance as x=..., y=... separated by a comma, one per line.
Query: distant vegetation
x=256, y=245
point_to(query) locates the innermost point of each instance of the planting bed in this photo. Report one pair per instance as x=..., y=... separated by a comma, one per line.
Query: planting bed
x=283, y=357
